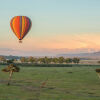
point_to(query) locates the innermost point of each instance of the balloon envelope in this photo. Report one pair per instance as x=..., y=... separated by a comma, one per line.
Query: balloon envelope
x=20, y=25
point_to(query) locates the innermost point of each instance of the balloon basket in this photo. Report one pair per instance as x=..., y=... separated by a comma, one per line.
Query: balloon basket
x=20, y=41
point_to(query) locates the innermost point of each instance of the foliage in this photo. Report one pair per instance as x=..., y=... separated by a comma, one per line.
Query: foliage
x=2, y=58
x=61, y=60
x=49, y=60
x=10, y=61
x=23, y=59
x=12, y=68
x=76, y=60
x=68, y=60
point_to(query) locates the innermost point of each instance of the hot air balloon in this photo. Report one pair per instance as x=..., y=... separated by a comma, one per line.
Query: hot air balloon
x=20, y=25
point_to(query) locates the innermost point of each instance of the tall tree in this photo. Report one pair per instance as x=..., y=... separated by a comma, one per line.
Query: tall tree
x=23, y=59
x=30, y=59
x=11, y=68
x=55, y=60
x=61, y=59
x=2, y=59
x=68, y=60
x=47, y=60
x=76, y=60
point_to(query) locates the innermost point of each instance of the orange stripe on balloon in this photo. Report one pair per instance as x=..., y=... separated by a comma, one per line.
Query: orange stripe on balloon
x=16, y=26
x=23, y=26
x=12, y=26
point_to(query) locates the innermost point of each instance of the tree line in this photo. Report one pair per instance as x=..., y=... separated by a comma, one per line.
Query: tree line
x=42, y=60
x=48, y=60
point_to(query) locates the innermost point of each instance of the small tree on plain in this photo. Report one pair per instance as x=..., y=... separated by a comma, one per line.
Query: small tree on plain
x=98, y=72
x=11, y=68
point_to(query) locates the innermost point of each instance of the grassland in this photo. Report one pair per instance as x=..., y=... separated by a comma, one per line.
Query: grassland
x=63, y=83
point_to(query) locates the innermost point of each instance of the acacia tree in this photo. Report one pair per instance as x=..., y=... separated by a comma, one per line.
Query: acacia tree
x=23, y=59
x=61, y=59
x=2, y=59
x=11, y=68
x=98, y=72
x=55, y=60
x=42, y=60
x=9, y=61
x=68, y=60
x=76, y=60
x=47, y=60
x=30, y=59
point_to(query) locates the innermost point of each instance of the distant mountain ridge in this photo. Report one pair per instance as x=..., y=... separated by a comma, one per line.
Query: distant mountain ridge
x=11, y=57
x=95, y=55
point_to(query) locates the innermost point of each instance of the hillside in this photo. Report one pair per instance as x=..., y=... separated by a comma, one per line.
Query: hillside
x=94, y=55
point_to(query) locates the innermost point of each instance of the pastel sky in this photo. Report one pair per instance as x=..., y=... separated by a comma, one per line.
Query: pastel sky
x=58, y=26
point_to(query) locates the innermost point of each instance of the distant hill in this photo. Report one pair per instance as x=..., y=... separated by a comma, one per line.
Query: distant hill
x=94, y=55
x=11, y=57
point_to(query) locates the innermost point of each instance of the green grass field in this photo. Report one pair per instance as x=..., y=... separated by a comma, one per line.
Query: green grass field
x=64, y=83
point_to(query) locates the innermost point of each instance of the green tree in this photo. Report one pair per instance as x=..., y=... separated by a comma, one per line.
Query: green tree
x=47, y=60
x=2, y=59
x=10, y=61
x=23, y=59
x=76, y=60
x=61, y=59
x=35, y=60
x=68, y=60
x=42, y=60
x=30, y=59
x=55, y=60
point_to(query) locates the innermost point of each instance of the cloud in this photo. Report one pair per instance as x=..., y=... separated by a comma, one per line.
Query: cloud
x=44, y=51
x=52, y=45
